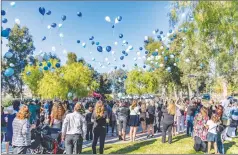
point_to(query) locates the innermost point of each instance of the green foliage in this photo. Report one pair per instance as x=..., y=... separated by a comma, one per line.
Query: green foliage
x=72, y=57
x=140, y=82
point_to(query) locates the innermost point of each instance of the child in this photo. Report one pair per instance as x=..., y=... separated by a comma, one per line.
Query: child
x=89, y=135
x=212, y=133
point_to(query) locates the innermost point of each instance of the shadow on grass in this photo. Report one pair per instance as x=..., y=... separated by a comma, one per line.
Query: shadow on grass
x=132, y=147
x=91, y=152
x=179, y=137
x=229, y=145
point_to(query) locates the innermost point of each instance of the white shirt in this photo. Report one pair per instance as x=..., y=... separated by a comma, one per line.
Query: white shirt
x=212, y=127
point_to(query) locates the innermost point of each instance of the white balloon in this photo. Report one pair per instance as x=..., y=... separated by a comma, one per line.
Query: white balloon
x=154, y=32
x=159, y=56
x=144, y=57
x=151, y=61
x=172, y=56
x=48, y=27
x=61, y=35
x=84, y=44
x=93, y=59
x=106, y=59
x=103, y=66
x=175, y=64
x=113, y=52
x=107, y=18
x=17, y=21
x=161, y=47
x=65, y=51
x=116, y=21
x=130, y=47
x=146, y=37
x=138, y=53
x=115, y=43
x=108, y=63
x=115, y=59
x=187, y=60
x=156, y=63
x=124, y=41
x=60, y=25
x=13, y=4
x=156, y=50
x=53, y=48
x=148, y=58
x=161, y=65
x=135, y=59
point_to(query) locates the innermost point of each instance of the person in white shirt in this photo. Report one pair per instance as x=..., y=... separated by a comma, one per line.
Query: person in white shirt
x=74, y=130
x=212, y=133
x=134, y=120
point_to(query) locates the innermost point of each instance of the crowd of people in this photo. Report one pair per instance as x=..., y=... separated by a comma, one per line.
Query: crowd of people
x=206, y=122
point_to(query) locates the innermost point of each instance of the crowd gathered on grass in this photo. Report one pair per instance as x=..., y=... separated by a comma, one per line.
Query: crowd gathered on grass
x=207, y=122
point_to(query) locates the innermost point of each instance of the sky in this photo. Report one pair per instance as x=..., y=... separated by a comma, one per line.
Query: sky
x=139, y=19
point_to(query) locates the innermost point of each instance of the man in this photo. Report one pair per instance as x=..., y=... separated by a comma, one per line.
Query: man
x=74, y=130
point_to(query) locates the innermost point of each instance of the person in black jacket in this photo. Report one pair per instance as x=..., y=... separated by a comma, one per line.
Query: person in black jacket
x=168, y=120
x=150, y=118
x=100, y=119
x=89, y=135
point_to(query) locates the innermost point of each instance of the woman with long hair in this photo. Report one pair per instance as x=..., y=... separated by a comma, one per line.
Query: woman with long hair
x=134, y=120
x=168, y=120
x=200, y=131
x=21, y=138
x=100, y=119
x=150, y=109
x=57, y=115
x=143, y=116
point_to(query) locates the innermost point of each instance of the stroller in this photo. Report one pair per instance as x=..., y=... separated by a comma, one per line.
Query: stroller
x=43, y=143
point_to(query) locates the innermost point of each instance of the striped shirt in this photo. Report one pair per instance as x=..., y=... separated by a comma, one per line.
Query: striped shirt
x=21, y=132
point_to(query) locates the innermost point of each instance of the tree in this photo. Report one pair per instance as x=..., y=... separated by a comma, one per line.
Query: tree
x=140, y=82
x=20, y=43
x=104, y=85
x=72, y=57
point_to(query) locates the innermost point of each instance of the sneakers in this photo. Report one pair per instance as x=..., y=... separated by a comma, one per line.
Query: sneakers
x=152, y=136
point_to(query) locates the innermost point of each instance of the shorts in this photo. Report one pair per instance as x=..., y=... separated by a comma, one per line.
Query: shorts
x=151, y=119
x=122, y=124
x=211, y=137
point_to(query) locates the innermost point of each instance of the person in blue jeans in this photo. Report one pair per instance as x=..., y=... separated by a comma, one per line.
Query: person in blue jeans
x=190, y=117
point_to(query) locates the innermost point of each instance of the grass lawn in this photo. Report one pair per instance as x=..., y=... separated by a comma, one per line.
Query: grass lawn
x=181, y=145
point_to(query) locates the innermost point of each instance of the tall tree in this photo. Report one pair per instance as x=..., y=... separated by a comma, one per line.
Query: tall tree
x=72, y=57
x=20, y=43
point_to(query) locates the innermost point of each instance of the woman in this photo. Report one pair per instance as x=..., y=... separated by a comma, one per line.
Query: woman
x=190, y=116
x=21, y=131
x=122, y=116
x=57, y=115
x=200, y=131
x=134, y=120
x=180, y=108
x=168, y=120
x=143, y=117
x=100, y=119
x=150, y=118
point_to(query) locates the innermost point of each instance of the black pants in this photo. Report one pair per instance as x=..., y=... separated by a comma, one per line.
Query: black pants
x=73, y=144
x=113, y=124
x=99, y=133
x=167, y=127
x=157, y=124
x=89, y=135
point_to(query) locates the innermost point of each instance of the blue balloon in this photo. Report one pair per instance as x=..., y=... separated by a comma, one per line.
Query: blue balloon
x=170, y=31
x=146, y=52
x=185, y=29
x=146, y=41
x=115, y=67
x=125, y=77
x=172, y=39
x=46, y=68
x=141, y=48
x=3, y=12
x=123, y=52
x=175, y=36
x=135, y=64
x=63, y=17
x=78, y=41
x=113, y=26
x=165, y=58
x=79, y=14
x=93, y=42
x=42, y=10
x=5, y=33
x=53, y=25
x=8, y=29
x=119, y=18
x=40, y=64
x=108, y=48
x=155, y=53
x=9, y=72
x=57, y=65
x=122, y=57
x=161, y=32
x=126, y=54
x=123, y=65
x=91, y=38
x=156, y=30
x=120, y=35
x=43, y=38
x=48, y=64
x=4, y=20
x=97, y=43
x=167, y=48
x=99, y=48
x=28, y=73
x=8, y=55
x=48, y=12
x=144, y=66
